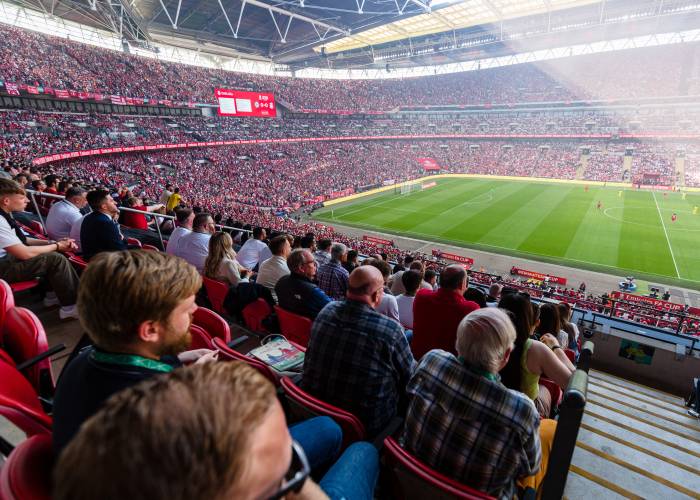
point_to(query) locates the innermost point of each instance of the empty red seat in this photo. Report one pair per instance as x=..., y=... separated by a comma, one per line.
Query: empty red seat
x=200, y=338
x=215, y=325
x=254, y=314
x=19, y=402
x=305, y=406
x=37, y=227
x=133, y=242
x=294, y=326
x=408, y=478
x=24, y=338
x=554, y=390
x=26, y=475
x=7, y=301
x=216, y=292
x=150, y=247
x=571, y=354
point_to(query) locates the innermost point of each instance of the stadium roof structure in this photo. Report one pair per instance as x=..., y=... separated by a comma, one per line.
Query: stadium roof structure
x=371, y=34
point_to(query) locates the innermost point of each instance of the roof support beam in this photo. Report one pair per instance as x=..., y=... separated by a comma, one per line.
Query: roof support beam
x=422, y=4
x=494, y=10
x=294, y=15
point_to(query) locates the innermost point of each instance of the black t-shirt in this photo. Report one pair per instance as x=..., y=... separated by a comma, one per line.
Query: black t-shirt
x=84, y=385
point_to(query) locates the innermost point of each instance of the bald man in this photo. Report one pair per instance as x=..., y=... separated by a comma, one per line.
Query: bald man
x=436, y=314
x=358, y=359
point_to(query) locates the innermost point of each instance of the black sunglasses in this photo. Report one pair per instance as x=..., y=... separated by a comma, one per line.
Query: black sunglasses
x=298, y=471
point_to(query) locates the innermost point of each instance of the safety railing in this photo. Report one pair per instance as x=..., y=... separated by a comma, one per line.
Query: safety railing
x=568, y=424
x=159, y=218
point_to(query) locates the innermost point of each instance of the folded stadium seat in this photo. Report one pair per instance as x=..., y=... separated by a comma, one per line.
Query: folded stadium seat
x=294, y=326
x=150, y=247
x=212, y=323
x=200, y=338
x=26, y=474
x=21, y=286
x=216, y=292
x=408, y=478
x=134, y=242
x=19, y=402
x=23, y=339
x=303, y=406
x=78, y=263
x=228, y=354
x=254, y=314
x=554, y=390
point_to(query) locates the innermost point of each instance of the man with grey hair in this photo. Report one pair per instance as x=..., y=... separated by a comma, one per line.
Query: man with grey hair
x=494, y=295
x=463, y=422
x=332, y=276
x=296, y=292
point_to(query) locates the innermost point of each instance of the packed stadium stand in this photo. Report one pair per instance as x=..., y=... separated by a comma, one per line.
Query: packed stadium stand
x=186, y=245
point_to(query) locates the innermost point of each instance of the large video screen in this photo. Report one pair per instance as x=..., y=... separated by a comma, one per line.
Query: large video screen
x=240, y=103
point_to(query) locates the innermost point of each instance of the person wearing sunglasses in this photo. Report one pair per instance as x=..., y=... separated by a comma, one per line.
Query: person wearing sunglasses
x=212, y=432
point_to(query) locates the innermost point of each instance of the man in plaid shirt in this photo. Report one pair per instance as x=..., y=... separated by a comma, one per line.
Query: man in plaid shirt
x=358, y=359
x=332, y=276
x=464, y=423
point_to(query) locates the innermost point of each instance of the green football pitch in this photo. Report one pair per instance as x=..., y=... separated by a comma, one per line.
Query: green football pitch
x=632, y=233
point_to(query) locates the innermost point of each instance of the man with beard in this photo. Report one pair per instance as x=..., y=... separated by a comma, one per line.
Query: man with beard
x=140, y=328
x=136, y=307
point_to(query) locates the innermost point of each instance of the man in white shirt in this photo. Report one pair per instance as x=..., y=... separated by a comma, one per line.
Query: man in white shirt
x=254, y=250
x=276, y=266
x=64, y=213
x=194, y=246
x=184, y=218
x=166, y=195
x=24, y=259
x=75, y=233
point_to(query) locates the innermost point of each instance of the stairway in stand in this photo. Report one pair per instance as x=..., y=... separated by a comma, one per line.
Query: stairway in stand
x=634, y=442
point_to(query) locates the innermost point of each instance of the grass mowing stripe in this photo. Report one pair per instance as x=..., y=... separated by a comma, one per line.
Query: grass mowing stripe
x=668, y=240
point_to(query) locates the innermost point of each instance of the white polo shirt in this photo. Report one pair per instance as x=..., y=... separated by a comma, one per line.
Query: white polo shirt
x=61, y=218
x=194, y=248
x=8, y=237
x=252, y=252
x=175, y=237
x=75, y=232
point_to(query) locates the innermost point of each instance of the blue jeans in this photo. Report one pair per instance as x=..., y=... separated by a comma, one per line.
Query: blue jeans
x=321, y=439
x=354, y=475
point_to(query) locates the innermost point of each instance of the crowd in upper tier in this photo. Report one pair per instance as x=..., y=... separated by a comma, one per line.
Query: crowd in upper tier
x=36, y=59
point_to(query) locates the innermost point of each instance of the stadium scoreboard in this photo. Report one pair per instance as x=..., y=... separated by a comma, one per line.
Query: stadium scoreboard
x=242, y=103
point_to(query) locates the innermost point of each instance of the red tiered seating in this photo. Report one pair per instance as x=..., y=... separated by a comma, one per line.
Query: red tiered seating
x=26, y=474
x=19, y=402
x=295, y=327
x=304, y=406
x=410, y=479
x=216, y=292
x=226, y=353
x=25, y=338
x=212, y=323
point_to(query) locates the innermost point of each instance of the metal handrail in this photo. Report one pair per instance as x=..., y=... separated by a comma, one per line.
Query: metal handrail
x=33, y=194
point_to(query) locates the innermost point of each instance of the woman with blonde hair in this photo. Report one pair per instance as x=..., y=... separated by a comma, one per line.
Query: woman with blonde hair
x=221, y=263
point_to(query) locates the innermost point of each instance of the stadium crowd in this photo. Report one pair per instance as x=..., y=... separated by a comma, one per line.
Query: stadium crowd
x=46, y=61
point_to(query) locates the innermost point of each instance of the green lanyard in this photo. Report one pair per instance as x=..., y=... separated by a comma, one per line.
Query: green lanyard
x=130, y=360
x=486, y=374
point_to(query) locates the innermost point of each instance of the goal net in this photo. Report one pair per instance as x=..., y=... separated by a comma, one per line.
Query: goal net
x=408, y=188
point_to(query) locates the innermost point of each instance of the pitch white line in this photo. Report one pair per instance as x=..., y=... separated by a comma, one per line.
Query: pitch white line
x=668, y=240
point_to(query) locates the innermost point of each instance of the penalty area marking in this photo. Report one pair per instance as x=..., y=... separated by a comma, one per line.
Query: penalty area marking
x=663, y=224
x=642, y=224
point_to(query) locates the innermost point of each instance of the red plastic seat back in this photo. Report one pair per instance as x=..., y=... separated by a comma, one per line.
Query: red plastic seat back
x=294, y=326
x=408, y=478
x=133, y=242
x=215, y=325
x=26, y=474
x=20, y=286
x=7, y=301
x=254, y=314
x=200, y=338
x=37, y=227
x=228, y=354
x=150, y=247
x=24, y=338
x=216, y=292
x=554, y=390
x=571, y=355
x=19, y=402
x=305, y=406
